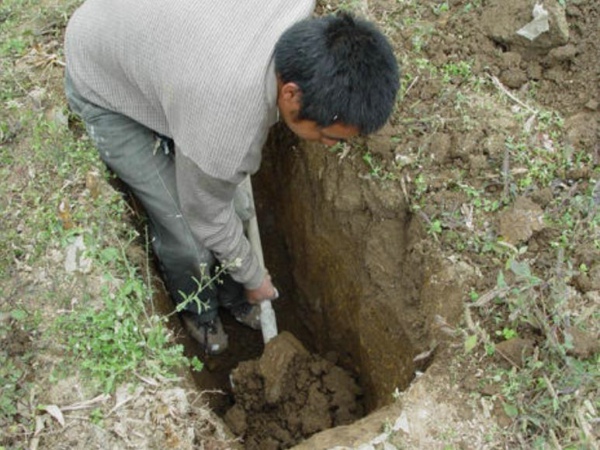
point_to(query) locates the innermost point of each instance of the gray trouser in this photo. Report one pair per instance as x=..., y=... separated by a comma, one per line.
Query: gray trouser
x=144, y=161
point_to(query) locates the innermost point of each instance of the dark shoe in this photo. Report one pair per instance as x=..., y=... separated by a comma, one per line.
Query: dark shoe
x=247, y=314
x=210, y=335
x=229, y=291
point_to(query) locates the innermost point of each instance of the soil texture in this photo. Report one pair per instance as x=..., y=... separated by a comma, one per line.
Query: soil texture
x=288, y=394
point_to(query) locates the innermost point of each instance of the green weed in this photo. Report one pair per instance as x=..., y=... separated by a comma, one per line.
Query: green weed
x=14, y=362
x=548, y=394
x=376, y=169
x=460, y=70
x=110, y=336
x=441, y=8
x=206, y=281
x=116, y=339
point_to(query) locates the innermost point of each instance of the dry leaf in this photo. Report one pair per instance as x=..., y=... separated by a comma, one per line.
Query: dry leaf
x=55, y=412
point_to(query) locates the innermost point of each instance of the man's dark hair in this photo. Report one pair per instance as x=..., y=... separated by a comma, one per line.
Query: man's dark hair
x=345, y=69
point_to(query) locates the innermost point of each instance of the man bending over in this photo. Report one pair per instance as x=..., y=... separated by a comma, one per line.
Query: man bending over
x=178, y=97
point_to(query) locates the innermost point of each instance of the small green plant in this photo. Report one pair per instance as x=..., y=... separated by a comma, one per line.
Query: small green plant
x=13, y=368
x=376, y=170
x=441, y=8
x=435, y=227
x=472, y=5
x=421, y=186
x=10, y=392
x=349, y=5
x=206, y=281
x=479, y=200
x=13, y=47
x=337, y=148
x=460, y=70
x=507, y=333
x=96, y=416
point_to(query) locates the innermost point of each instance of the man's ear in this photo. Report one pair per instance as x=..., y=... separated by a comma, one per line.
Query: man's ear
x=291, y=95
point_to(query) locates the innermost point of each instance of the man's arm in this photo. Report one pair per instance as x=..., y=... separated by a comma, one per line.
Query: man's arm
x=207, y=204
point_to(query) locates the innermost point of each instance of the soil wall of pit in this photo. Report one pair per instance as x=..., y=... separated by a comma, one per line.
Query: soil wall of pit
x=356, y=266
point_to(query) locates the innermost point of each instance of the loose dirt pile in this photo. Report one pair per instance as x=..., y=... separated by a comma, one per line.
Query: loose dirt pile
x=289, y=394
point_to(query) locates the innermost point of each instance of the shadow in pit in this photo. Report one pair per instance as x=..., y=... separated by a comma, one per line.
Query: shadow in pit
x=213, y=380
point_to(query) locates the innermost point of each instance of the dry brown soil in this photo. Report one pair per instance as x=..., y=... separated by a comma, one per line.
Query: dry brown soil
x=289, y=394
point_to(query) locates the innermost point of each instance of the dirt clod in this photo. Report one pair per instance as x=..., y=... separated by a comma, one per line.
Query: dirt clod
x=515, y=350
x=582, y=344
x=288, y=395
x=518, y=223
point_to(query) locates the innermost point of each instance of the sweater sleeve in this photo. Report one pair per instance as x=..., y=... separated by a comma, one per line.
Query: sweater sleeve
x=207, y=204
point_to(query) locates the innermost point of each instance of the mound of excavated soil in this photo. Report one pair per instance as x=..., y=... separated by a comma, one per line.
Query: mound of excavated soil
x=289, y=394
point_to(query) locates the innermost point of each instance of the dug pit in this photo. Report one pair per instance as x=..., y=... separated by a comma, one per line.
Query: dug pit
x=362, y=291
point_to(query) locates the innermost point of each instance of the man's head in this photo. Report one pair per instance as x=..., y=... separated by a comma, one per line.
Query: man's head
x=337, y=78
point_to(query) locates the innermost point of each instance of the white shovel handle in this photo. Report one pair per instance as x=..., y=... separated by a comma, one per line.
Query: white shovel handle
x=268, y=322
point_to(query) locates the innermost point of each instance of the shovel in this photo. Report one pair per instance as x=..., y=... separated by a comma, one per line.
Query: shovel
x=268, y=322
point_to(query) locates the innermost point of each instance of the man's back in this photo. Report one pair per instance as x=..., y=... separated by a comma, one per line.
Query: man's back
x=192, y=70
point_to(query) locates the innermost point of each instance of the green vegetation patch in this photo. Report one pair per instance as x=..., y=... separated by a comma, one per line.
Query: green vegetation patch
x=73, y=303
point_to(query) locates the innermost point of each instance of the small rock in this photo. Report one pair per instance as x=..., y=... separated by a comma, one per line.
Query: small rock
x=268, y=443
x=592, y=105
x=75, y=261
x=511, y=60
x=502, y=18
x=381, y=142
x=583, y=283
x=582, y=129
x=562, y=54
x=439, y=147
x=176, y=400
x=583, y=344
x=402, y=160
x=519, y=222
x=58, y=116
x=516, y=350
x=542, y=197
x=37, y=97
x=402, y=423
x=501, y=417
x=534, y=71
x=235, y=418
x=477, y=163
x=595, y=277
x=514, y=77
x=490, y=389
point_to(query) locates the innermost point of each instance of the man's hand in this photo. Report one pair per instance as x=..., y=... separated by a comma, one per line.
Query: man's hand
x=266, y=291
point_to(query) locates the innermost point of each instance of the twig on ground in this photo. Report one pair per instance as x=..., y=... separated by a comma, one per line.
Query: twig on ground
x=87, y=403
x=404, y=190
x=586, y=429
x=125, y=401
x=488, y=297
x=506, y=174
x=147, y=380
x=506, y=92
x=410, y=86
